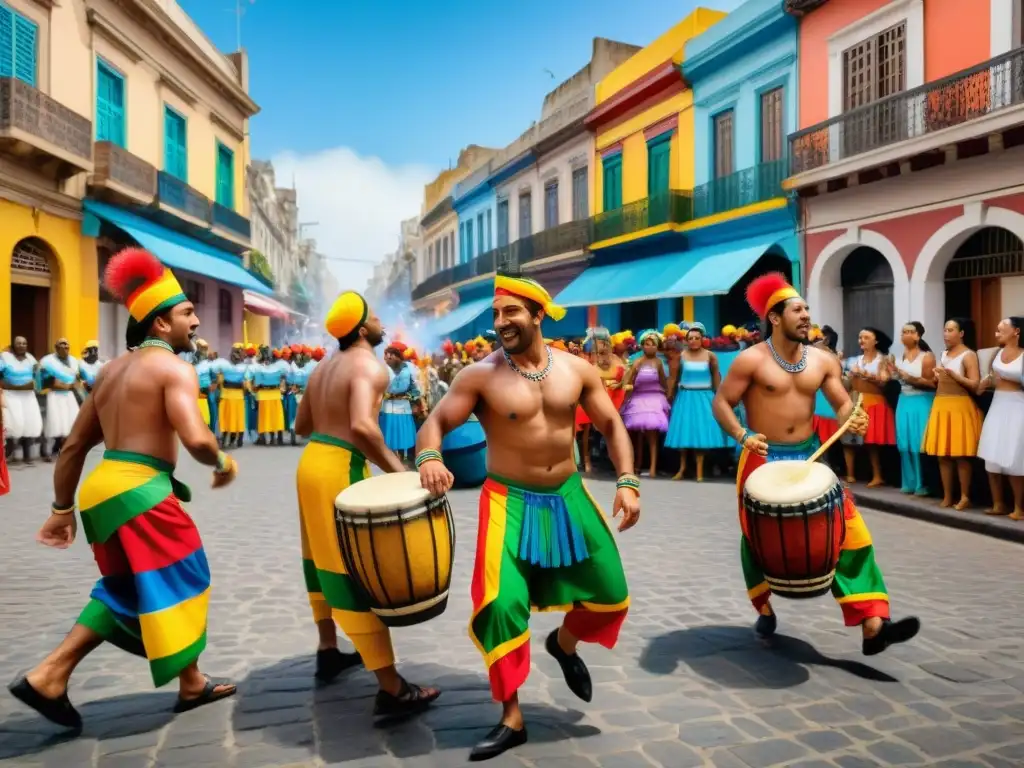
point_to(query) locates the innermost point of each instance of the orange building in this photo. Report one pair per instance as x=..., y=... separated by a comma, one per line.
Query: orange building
x=908, y=162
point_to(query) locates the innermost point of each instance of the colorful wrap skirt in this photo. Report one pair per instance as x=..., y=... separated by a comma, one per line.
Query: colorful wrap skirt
x=545, y=549
x=692, y=425
x=232, y=411
x=154, y=590
x=271, y=410
x=858, y=586
x=954, y=427
x=881, y=423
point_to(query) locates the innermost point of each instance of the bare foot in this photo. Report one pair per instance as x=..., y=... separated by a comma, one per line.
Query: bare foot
x=677, y=476
x=946, y=503
x=850, y=480
x=963, y=504
x=877, y=482
x=996, y=511
x=1017, y=514
x=653, y=474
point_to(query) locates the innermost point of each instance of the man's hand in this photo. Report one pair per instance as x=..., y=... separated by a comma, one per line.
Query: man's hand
x=58, y=531
x=627, y=502
x=858, y=422
x=224, y=477
x=756, y=443
x=435, y=477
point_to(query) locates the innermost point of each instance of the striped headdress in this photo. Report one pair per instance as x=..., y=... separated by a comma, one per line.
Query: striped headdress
x=144, y=285
x=525, y=288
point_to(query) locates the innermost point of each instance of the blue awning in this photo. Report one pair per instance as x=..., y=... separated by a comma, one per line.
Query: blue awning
x=458, y=317
x=176, y=250
x=709, y=271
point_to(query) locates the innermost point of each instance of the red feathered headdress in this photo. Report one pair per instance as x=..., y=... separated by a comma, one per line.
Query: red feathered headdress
x=140, y=282
x=398, y=346
x=318, y=353
x=448, y=348
x=766, y=291
x=277, y=354
x=296, y=349
x=286, y=353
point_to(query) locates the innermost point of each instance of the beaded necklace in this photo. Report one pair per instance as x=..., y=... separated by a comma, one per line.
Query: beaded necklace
x=784, y=364
x=530, y=375
x=160, y=343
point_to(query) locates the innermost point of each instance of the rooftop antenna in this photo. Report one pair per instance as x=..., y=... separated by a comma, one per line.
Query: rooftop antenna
x=239, y=13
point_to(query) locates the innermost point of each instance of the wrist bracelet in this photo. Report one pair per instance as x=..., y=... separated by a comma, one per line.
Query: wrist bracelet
x=54, y=509
x=630, y=481
x=742, y=440
x=427, y=455
x=223, y=463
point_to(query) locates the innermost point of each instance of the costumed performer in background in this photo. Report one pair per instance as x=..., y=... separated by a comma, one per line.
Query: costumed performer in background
x=22, y=417
x=268, y=385
x=534, y=490
x=598, y=346
x=338, y=414
x=645, y=411
x=234, y=376
x=298, y=378
x=396, y=421
x=203, y=370
x=89, y=366
x=154, y=590
x=59, y=374
x=775, y=381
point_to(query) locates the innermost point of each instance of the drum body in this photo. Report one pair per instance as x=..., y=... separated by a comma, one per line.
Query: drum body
x=398, y=546
x=464, y=451
x=795, y=524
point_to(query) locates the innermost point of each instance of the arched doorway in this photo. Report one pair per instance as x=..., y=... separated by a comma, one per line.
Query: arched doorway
x=733, y=307
x=31, y=282
x=974, y=279
x=867, y=284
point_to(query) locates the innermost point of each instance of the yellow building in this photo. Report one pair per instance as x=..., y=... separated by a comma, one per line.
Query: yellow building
x=140, y=137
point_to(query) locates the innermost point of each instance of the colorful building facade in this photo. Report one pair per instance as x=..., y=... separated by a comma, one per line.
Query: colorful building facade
x=907, y=162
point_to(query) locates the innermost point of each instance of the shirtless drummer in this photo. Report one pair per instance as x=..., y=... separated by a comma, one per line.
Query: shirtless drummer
x=777, y=382
x=525, y=395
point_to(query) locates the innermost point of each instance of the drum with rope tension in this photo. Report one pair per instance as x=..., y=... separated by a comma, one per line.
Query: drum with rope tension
x=398, y=546
x=794, y=520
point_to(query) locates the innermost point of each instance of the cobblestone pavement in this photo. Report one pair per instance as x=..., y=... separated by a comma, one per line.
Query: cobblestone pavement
x=687, y=686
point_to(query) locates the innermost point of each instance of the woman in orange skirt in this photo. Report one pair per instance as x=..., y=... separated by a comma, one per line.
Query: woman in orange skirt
x=597, y=346
x=954, y=427
x=869, y=374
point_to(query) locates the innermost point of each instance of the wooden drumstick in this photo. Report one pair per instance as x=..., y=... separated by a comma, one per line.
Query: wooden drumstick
x=839, y=432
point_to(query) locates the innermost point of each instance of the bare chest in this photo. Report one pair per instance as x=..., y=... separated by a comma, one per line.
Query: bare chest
x=511, y=397
x=772, y=381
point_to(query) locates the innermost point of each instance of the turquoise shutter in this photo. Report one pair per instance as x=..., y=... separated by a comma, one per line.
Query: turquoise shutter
x=612, y=183
x=110, y=123
x=658, y=152
x=170, y=143
x=25, y=50
x=103, y=129
x=6, y=42
x=225, y=176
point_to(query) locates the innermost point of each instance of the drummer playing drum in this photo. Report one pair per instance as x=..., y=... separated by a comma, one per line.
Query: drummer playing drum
x=777, y=382
x=525, y=395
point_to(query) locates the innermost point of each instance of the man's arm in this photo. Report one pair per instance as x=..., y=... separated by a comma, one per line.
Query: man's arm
x=365, y=391
x=304, y=416
x=86, y=433
x=835, y=391
x=181, y=399
x=606, y=419
x=731, y=391
x=454, y=409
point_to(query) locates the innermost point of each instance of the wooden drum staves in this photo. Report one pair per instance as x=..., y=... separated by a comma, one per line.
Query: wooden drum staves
x=398, y=546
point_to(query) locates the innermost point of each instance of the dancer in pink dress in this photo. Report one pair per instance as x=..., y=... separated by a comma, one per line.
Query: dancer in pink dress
x=645, y=411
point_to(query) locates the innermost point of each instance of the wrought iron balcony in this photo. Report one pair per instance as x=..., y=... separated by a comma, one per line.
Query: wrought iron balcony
x=751, y=185
x=565, y=238
x=121, y=172
x=969, y=95
x=231, y=222
x=33, y=124
x=672, y=207
x=174, y=193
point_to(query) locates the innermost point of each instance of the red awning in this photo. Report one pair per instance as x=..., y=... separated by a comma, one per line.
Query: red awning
x=264, y=305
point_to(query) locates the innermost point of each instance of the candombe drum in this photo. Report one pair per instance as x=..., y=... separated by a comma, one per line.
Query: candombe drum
x=464, y=451
x=398, y=546
x=795, y=524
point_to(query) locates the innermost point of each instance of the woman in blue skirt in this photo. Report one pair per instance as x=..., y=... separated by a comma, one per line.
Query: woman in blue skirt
x=693, y=426
x=916, y=373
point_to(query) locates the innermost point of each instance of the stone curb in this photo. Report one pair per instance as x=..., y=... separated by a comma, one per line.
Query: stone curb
x=966, y=521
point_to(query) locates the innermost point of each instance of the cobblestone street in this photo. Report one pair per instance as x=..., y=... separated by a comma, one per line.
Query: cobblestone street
x=687, y=686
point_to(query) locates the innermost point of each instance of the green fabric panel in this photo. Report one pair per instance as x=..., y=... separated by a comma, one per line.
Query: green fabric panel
x=101, y=620
x=311, y=577
x=753, y=576
x=103, y=520
x=857, y=573
x=169, y=667
x=357, y=468
x=341, y=592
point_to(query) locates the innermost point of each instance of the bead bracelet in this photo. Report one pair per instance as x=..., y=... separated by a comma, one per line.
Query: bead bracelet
x=628, y=481
x=428, y=455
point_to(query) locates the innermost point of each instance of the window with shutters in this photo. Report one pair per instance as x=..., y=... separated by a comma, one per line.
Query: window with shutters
x=724, y=142
x=580, y=194
x=18, y=46
x=194, y=291
x=773, y=132
x=551, y=204
x=874, y=69
x=489, y=241
x=469, y=240
x=225, y=176
x=175, y=144
x=110, y=91
x=612, y=190
x=444, y=253
x=525, y=215
x=658, y=154
x=225, y=308
x=503, y=223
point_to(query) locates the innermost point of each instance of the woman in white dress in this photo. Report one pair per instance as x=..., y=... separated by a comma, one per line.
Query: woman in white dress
x=1002, y=436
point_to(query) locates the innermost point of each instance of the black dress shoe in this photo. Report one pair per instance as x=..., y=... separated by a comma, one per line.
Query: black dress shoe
x=331, y=662
x=575, y=672
x=891, y=633
x=499, y=740
x=765, y=625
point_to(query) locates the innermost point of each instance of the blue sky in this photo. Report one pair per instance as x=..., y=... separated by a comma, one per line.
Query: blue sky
x=363, y=102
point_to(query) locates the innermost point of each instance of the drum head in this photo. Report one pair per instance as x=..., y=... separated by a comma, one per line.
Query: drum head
x=383, y=494
x=789, y=482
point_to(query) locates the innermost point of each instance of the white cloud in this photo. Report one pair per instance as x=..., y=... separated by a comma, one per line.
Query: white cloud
x=358, y=201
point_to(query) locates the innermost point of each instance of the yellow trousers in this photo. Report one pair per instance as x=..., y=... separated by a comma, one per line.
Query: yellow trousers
x=231, y=415
x=326, y=468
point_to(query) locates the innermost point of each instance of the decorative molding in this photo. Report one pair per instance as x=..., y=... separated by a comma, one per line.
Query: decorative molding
x=113, y=35
x=636, y=92
x=218, y=119
x=666, y=125
x=734, y=44
x=47, y=5
x=611, y=150
x=182, y=90
x=550, y=173
x=579, y=161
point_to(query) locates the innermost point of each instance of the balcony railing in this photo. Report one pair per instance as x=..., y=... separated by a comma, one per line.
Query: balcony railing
x=959, y=98
x=751, y=185
x=231, y=221
x=176, y=194
x=674, y=206
x=30, y=116
x=565, y=238
x=116, y=165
